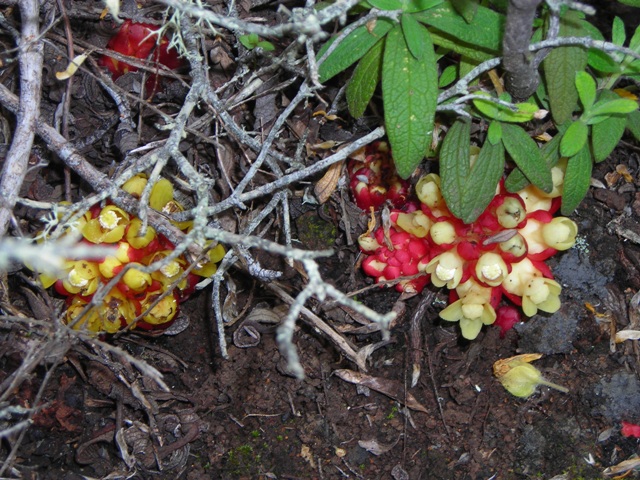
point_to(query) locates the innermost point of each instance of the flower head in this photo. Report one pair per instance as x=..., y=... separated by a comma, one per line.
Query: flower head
x=473, y=309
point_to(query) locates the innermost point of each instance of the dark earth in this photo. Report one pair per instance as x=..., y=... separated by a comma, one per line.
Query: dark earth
x=246, y=417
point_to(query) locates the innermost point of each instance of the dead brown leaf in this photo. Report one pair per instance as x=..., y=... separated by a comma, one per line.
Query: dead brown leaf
x=391, y=388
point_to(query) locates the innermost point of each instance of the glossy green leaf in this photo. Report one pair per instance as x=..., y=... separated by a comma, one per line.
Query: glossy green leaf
x=484, y=33
x=605, y=136
x=577, y=179
x=494, y=132
x=559, y=70
x=448, y=75
x=409, y=94
x=386, y=4
x=574, y=139
x=586, y=86
x=618, y=35
x=413, y=35
x=413, y=6
x=634, y=43
x=351, y=49
x=602, y=62
x=550, y=151
x=466, y=8
x=526, y=154
x=363, y=83
x=610, y=107
x=493, y=110
x=633, y=124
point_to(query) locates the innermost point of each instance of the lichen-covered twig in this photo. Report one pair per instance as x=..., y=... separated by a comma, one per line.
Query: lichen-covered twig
x=30, y=60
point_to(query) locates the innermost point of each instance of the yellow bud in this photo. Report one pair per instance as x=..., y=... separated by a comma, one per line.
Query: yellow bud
x=510, y=213
x=136, y=280
x=133, y=234
x=560, y=233
x=443, y=233
x=428, y=191
x=491, y=269
x=519, y=377
x=108, y=265
x=415, y=223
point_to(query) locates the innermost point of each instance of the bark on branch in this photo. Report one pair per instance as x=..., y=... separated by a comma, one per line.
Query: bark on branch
x=521, y=68
x=17, y=160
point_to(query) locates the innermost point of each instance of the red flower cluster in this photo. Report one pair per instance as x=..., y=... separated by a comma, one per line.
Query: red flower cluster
x=139, y=40
x=501, y=253
x=373, y=178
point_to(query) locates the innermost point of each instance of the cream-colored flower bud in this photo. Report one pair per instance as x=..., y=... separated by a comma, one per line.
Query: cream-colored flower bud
x=428, y=191
x=521, y=274
x=415, y=223
x=516, y=246
x=472, y=310
x=541, y=293
x=535, y=199
x=560, y=233
x=491, y=269
x=446, y=269
x=510, y=213
x=368, y=243
x=443, y=233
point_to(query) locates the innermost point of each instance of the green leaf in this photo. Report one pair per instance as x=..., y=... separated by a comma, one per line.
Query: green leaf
x=249, y=41
x=526, y=154
x=618, y=35
x=633, y=124
x=484, y=33
x=560, y=67
x=606, y=135
x=409, y=94
x=634, y=43
x=467, y=188
x=490, y=109
x=576, y=180
x=413, y=6
x=463, y=49
x=494, y=132
x=482, y=181
x=550, y=151
x=448, y=75
x=574, y=139
x=266, y=46
x=466, y=8
x=586, y=86
x=386, y=4
x=610, y=107
x=363, y=83
x=602, y=62
x=413, y=35
x=351, y=49
x=455, y=165
x=633, y=3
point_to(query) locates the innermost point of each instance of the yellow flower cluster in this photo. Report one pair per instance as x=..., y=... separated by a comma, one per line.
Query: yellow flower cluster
x=139, y=294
